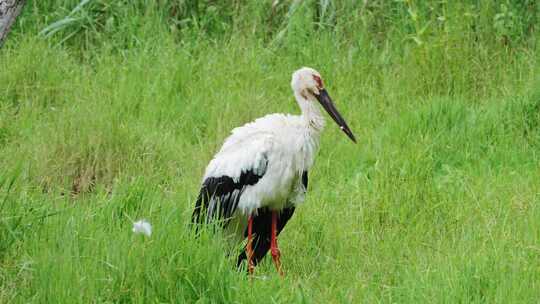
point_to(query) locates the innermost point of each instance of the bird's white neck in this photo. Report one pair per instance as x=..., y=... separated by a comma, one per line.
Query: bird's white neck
x=311, y=113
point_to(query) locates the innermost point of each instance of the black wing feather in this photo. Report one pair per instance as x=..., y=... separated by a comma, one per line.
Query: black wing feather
x=225, y=193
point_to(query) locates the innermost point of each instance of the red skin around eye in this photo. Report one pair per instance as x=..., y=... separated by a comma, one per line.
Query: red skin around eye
x=319, y=81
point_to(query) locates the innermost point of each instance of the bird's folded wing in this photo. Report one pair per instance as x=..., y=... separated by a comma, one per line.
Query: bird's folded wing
x=227, y=176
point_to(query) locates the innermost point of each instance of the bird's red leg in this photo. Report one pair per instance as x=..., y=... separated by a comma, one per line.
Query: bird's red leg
x=274, y=250
x=249, y=246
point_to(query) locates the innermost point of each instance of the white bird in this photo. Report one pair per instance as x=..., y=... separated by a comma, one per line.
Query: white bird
x=253, y=184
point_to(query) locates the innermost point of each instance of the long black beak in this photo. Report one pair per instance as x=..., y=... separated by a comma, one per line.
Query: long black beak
x=328, y=105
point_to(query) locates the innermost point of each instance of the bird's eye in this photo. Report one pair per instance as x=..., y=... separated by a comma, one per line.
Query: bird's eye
x=319, y=81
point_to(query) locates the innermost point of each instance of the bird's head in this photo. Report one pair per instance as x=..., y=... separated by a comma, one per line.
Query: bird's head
x=309, y=84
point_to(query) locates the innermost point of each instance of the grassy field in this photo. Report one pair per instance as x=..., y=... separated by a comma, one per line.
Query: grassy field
x=109, y=112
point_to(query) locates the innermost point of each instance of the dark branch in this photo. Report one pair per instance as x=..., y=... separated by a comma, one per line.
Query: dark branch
x=9, y=11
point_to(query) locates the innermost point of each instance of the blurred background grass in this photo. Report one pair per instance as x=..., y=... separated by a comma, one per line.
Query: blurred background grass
x=110, y=110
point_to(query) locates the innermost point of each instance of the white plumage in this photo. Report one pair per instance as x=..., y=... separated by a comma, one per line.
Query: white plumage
x=263, y=165
x=280, y=146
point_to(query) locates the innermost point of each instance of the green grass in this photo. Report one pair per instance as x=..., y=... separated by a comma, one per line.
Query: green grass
x=105, y=122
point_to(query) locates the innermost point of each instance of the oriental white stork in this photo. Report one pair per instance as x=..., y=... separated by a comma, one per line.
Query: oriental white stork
x=253, y=184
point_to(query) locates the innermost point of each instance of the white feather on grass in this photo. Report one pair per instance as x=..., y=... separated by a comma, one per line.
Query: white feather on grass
x=142, y=227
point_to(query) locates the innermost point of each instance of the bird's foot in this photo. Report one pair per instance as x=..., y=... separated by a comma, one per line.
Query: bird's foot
x=276, y=257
